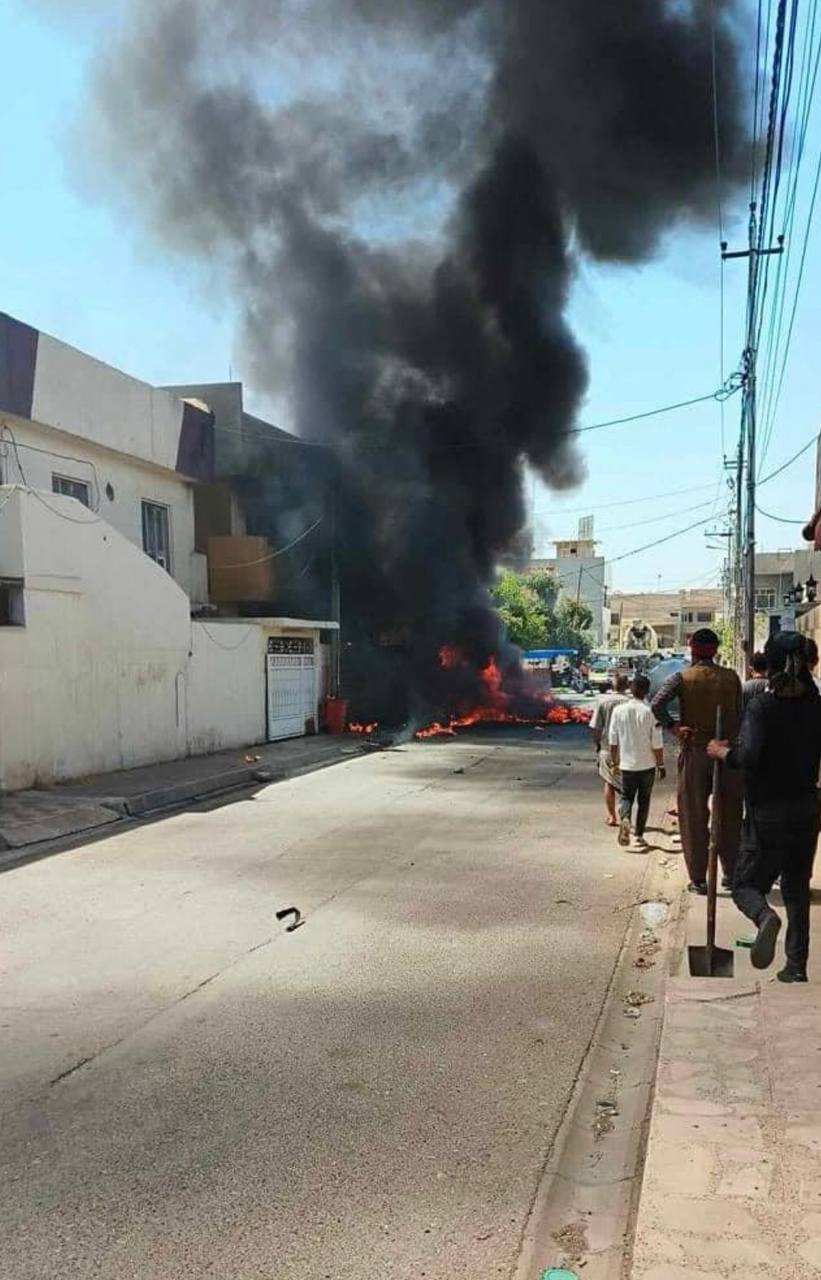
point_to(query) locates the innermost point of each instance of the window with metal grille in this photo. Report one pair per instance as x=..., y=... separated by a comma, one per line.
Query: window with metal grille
x=704, y=616
x=157, y=534
x=70, y=488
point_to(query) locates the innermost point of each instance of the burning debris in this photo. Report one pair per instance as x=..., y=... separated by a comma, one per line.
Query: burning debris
x=397, y=192
x=514, y=702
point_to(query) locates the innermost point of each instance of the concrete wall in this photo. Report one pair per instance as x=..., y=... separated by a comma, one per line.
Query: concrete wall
x=90, y=682
x=89, y=399
x=225, y=688
x=42, y=453
x=108, y=670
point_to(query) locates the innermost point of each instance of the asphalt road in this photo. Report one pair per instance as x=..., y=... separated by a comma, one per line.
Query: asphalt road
x=189, y=1091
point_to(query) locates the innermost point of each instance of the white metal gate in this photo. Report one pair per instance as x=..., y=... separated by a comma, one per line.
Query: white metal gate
x=292, y=693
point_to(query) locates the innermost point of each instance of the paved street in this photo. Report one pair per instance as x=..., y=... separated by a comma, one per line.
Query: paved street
x=190, y=1091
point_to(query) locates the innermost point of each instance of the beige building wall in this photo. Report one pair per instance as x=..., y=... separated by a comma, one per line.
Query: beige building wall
x=674, y=615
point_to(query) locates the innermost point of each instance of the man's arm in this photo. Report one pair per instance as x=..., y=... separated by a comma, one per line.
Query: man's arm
x=658, y=750
x=614, y=739
x=596, y=724
x=669, y=691
x=750, y=746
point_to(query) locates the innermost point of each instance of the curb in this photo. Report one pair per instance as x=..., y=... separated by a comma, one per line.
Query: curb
x=585, y=1208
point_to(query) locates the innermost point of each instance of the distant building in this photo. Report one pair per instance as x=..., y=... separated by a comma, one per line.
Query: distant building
x=583, y=575
x=674, y=615
x=777, y=572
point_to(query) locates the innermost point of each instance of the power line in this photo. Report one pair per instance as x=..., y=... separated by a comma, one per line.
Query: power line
x=806, y=98
x=271, y=555
x=723, y=394
x=796, y=294
x=812, y=440
x=660, y=541
x=623, y=502
x=780, y=519
x=668, y=515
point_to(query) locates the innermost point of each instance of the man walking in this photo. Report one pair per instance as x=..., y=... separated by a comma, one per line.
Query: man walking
x=779, y=750
x=600, y=725
x=702, y=689
x=637, y=747
x=757, y=682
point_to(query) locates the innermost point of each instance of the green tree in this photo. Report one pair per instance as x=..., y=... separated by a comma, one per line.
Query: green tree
x=520, y=608
x=535, y=616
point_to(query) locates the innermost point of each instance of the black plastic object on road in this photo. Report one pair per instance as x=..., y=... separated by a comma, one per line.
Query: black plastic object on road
x=291, y=911
x=711, y=961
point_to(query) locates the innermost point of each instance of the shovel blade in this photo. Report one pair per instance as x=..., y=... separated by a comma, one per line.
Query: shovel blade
x=711, y=962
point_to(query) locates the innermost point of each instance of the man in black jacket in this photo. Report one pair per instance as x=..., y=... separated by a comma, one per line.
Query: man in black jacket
x=779, y=748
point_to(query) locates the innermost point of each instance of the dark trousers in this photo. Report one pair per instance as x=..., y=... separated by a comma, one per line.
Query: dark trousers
x=636, y=784
x=695, y=783
x=779, y=840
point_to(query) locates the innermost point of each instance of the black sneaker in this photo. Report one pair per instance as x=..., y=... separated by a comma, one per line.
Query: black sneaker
x=698, y=886
x=763, y=949
x=790, y=975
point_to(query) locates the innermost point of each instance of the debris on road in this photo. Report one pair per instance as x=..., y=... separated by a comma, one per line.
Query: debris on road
x=291, y=911
x=572, y=1240
x=635, y=999
x=655, y=913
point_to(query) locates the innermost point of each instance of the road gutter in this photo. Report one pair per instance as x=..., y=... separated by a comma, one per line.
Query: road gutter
x=584, y=1211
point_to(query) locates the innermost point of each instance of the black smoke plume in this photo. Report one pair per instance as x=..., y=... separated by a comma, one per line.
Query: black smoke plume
x=399, y=189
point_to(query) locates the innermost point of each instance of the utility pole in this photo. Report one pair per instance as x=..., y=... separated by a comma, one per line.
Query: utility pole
x=753, y=253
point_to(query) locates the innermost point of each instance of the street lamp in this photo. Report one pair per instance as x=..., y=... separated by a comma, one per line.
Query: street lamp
x=811, y=587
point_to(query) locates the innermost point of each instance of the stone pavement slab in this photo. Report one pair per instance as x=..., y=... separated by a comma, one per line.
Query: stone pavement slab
x=732, y=1183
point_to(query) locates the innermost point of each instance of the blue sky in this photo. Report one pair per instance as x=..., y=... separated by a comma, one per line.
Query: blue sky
x=81, y=269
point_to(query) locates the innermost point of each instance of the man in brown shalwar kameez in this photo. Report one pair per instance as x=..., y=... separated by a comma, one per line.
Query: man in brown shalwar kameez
x=701, y=689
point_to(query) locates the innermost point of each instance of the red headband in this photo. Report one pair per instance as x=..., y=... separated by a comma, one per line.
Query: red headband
x=703, y=649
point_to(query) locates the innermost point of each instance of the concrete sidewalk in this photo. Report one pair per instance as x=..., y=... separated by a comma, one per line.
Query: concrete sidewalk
x=29, y=818
x=732, y=1183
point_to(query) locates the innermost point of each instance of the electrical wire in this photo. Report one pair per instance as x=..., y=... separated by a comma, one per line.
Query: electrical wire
x=757, y=82
x=780, y=519
x=271, y=555
x=228, y=648
x=813, y=440
x=668, y=515
x=623, y=502
x=723, y=393
x=660, y=541
x=35, y=493
x=794, y=309
x=6, y=431
x=806, y=99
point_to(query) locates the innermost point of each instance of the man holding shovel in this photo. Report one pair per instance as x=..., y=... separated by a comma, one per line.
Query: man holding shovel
x=779, y=749
x=703, y=689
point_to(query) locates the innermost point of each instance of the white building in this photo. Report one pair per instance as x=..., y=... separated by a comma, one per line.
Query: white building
x=101, y=664
x=584, y=576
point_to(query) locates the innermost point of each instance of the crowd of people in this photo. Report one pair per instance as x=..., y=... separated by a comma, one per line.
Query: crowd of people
x=766, y=737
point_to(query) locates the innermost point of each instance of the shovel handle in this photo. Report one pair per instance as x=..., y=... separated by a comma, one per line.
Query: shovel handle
x=712, y=859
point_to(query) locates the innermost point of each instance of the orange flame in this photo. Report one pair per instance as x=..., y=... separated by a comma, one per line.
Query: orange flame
x=495, y=705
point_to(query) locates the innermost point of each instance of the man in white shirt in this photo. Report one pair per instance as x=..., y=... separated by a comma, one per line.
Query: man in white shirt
x=637, y=747
x=600, y=726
